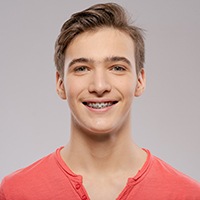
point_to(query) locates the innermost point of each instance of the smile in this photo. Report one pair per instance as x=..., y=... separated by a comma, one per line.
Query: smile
x=99, y=105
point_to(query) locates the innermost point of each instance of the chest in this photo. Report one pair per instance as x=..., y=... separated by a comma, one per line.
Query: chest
x=105, y=189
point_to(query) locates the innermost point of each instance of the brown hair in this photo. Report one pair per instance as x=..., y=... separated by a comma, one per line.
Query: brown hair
x=97, y=16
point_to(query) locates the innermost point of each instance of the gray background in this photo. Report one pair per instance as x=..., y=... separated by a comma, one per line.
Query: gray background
x=34, y=121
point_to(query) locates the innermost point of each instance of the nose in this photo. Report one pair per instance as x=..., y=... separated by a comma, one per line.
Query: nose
x=100, y=83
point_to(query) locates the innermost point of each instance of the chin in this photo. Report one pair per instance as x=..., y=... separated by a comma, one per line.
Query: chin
x=99, y=135
x=101, y=130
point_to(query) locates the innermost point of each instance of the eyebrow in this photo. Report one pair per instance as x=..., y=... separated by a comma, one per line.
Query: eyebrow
x=117, y=59
x=107, y=59
x=79, y=60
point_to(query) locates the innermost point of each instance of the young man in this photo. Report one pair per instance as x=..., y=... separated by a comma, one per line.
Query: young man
x=99, y=59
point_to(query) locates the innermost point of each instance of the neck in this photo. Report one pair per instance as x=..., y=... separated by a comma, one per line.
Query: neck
x=108, y=153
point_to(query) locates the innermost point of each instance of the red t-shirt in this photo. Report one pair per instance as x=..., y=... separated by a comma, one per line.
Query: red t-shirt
x=51, y=179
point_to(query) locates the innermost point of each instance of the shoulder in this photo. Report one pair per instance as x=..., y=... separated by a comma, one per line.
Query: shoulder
x=172, y=178
x=37, y=180
x=31, y=170
x=159, y=180
x=166, y=169
x=30, y=177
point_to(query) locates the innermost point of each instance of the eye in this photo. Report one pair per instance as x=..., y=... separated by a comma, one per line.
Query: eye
x=81, y=69
x=118, y=68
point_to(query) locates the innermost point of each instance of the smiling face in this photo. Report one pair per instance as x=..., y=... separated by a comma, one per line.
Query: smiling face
x=100, y=81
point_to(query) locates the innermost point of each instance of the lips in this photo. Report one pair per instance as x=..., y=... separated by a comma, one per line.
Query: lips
x=99, y=105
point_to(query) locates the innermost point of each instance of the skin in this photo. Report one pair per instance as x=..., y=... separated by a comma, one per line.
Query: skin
x=100, y=67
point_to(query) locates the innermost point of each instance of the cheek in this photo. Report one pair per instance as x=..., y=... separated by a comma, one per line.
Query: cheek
x=127, y=87
x=73, y=88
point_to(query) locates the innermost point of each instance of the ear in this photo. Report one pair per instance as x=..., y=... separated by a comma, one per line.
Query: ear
x=60, y=86
x=141, y=83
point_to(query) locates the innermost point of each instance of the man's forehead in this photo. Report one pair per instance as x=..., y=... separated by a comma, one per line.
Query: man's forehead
x=104, y=45
x=103, y=33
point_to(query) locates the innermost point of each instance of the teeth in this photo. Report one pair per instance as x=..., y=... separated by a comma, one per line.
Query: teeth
x=99, y=105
